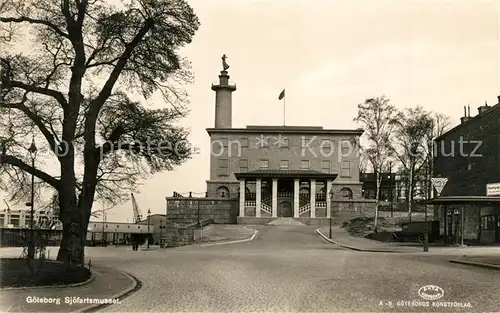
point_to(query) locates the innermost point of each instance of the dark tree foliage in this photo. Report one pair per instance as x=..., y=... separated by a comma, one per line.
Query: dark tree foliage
x=75, y=76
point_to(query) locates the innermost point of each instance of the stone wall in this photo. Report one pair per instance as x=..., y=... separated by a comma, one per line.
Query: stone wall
x=185, y=210
x=177, y=236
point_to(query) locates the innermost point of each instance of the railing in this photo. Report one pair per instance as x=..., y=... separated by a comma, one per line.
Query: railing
x=266, y=208
x=250, y=204
x=285, y=194
x=305, y=208
x=320, y=204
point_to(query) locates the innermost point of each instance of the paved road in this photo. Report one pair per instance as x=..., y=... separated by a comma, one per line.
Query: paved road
x=290, y=269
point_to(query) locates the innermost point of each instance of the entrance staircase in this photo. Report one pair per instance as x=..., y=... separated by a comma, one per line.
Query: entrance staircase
x=285, y=221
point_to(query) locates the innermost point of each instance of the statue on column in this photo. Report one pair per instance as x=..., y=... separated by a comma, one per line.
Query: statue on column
x=225, y=66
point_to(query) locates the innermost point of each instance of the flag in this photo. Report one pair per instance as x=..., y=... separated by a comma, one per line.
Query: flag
x=282, y=95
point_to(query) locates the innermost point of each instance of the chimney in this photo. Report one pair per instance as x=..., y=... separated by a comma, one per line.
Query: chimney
x=465, y=118
x=468, y=108
x=498, y=99
x=483, y=108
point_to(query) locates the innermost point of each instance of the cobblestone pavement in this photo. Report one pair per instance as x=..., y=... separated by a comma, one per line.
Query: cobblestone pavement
x=291, y=269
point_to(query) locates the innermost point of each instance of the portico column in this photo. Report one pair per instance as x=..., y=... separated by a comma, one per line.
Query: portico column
x=328, y=198
x=313, y=198
x=296, y=202
x=258, y=187
x=242, y=197
x=275, y=198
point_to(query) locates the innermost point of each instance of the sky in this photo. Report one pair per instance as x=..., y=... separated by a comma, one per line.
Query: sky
x=329, y=56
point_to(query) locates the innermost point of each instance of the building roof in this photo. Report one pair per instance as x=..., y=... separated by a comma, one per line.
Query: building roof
x=463, y=200
x=317, y=130
x=472, y=119
x=285, y=173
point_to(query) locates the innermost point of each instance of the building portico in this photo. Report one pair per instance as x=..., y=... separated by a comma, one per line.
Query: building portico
x=285, y=193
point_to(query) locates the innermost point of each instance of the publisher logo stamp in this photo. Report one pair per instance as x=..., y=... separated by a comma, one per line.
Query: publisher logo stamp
x=431, y=292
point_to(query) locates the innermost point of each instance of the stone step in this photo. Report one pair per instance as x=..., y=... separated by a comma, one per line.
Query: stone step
x=285, y=221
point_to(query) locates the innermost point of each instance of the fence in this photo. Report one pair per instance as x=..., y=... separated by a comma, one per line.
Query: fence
x=18, y=237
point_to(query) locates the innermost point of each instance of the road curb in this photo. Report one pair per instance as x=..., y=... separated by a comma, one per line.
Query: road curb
x=353, y=248
x=230, y=242
x=477, y=264
x=89, y=280
x=134, y=286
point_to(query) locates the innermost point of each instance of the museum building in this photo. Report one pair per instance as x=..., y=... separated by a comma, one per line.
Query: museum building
x=280, y=171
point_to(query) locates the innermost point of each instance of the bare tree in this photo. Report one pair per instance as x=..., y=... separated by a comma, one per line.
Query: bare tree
x=410, y=146
x=375, y=115
x=79, y=86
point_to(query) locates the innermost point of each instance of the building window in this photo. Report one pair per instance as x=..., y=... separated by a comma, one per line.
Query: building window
x=304, y=164
x=327, y=147
x=284, y=164
x=345, y=170
x=346, y=193
x=244, y=142
x=264, y=164
x=345, y=147
x=223, y=167
x=243, y=165
x=224, y=142
x=283, y=143
x=488, y=222
x=325, y=166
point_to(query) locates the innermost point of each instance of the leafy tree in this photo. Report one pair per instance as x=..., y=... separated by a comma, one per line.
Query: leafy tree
x=79, y=87
x=413, y=146
x=410, y=146
x=376, y=116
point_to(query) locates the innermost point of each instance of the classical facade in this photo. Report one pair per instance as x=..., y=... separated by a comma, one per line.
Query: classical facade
x=280, y=171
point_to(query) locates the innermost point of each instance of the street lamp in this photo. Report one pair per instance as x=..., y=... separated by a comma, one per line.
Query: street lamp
x=161, y=232
x=391, y=195
x=331, y=197
x=426, y=235
x=149, y=214
x=199, y=225
x=31, y=243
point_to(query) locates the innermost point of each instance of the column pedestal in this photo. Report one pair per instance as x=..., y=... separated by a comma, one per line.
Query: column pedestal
x=275, y=198
x=296, y=198
x=328, y=198
x=258, y=188
x=242, y=198
x=313, y=198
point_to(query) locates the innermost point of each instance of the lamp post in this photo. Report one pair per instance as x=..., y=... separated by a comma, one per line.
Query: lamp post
x=199, y=225
x=390, y=193
x=330, y=233
x=149, y=215
x=161, y=233
x=31, y=243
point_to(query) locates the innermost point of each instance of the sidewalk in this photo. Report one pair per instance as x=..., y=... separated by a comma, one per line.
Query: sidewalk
x=342, y=238
x=486, y=261
x=107, y=284
x=225, y=233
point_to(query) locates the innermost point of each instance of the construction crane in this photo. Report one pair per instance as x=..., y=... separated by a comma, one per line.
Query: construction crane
x=137, y=211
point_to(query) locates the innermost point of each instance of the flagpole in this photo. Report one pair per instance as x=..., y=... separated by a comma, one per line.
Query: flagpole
x=284, y=106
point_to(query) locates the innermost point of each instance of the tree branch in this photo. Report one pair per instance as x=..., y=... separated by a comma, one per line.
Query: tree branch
x=24, y=19
x=115, y=74
x=39, y=90
x=37, y=120
x=16, y=162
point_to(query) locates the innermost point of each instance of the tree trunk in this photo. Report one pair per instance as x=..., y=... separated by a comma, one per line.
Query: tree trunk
x=377, y=197
x=410, y=194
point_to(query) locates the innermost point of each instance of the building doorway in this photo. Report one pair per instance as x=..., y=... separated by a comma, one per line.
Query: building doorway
x=285, y=209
